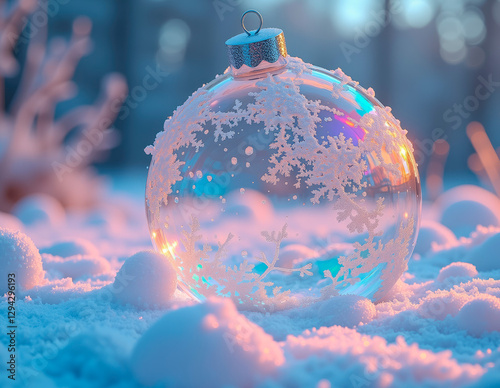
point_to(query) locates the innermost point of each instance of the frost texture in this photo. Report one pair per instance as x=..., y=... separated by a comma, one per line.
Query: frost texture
x=238, y=282
x=332, y=167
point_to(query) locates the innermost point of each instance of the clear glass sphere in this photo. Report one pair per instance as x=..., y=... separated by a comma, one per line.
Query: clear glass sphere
x=281, y=186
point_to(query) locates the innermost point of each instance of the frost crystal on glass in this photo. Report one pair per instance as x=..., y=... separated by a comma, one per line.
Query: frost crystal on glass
x=282, y=188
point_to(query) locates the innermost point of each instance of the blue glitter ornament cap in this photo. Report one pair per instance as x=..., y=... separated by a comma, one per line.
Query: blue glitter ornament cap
x=250, y=48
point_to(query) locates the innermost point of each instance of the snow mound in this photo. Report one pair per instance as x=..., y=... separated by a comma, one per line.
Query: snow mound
x=207, y=345
x=485, y=256
x=441, y=303
x=8, y=221
x=351, y=359
x=464, y=207
x=20, y=256
x=432, y=233
x=39, y=208
x=77, y=246
x=146, y=280
x=457, y=270
x=75, y=267
x=480, y=315
x=91, y=359
x=346, y=310
x=110, y=217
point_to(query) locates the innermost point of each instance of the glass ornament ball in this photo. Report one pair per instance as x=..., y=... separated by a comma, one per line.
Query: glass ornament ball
x=282, y=184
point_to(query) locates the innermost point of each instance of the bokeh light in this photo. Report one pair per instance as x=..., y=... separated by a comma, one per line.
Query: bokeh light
x=173, y=39
x=418, y=13
x=349, y=16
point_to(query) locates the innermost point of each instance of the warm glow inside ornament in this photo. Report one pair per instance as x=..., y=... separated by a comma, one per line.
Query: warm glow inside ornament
x=280, y=184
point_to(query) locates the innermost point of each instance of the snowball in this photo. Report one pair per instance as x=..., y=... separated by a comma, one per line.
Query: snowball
x=19, y=255
x=485, y=256
x=76, y=267
x=455, y=270
x=146, y=280
x=430, y=233
x=480, y=315
x=77, y=246
x=207, y=345
x=39, y=208
x=464, y=207
x=8, y=221
x=346, y=310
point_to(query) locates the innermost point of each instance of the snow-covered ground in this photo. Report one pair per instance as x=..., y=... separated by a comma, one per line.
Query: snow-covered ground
x=84, y=319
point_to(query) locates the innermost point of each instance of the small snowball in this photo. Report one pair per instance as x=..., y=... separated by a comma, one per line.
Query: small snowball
x=39, y=208
x=207, y=345
x=146, y=280
x=346, y=310
x=480, y=315
x=20, y=256
x=465, y=207
x=76, y=267
x=457, y=270
x=8, y=221
x=77, y=246
x=430, y=233
x=485, y=256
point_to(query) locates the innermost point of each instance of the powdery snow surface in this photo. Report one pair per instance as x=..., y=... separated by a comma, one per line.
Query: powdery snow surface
x=97, y=308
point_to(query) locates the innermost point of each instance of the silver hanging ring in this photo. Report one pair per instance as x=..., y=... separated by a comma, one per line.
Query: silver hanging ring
x=243, y=21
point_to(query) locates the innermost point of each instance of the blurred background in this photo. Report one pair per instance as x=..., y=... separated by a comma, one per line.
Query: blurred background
x=435, y=62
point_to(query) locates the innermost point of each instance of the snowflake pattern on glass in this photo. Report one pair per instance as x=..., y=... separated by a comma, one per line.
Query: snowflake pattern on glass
x=326, y=146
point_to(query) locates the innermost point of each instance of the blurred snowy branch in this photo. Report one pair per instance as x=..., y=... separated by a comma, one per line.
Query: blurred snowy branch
x=35, y=153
